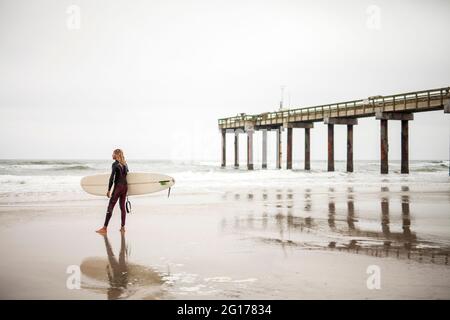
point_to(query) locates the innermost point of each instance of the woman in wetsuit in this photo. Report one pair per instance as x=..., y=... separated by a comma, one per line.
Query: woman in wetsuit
x=119, y=178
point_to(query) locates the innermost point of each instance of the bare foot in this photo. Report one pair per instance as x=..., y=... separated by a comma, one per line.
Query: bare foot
x=101, y=230
x=122, y=229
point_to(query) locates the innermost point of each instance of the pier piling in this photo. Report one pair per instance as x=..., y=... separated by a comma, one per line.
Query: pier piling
x=278, y=162
x=289, y=149
x=330, y=147
x=349, y=148
x=224, y=148
x=404, y=118
x=290, y=127
x=236, y=148
x=250, y=149
x=405, y=151
x=264, y=148
x=307, y=149
x=384, y=147
x=350, y=122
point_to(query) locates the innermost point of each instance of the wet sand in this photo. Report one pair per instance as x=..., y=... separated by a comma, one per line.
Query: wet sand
x=286, y=243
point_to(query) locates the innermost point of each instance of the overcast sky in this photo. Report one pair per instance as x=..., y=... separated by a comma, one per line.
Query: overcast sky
x=153, y=77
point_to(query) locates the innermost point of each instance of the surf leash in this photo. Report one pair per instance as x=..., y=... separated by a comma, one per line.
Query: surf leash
x=128, y=205
x=163, y=183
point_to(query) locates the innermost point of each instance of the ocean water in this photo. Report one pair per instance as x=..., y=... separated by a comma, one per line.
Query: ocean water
x=43, y=181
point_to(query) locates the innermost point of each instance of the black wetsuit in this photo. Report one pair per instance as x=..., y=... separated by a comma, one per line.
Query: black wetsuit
x=118, y=174
x=119, y=178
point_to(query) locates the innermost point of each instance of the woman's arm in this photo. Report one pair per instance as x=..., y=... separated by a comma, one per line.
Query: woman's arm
x=111, y=178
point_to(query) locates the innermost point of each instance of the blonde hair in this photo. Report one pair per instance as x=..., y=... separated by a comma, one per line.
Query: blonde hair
x=120, y=157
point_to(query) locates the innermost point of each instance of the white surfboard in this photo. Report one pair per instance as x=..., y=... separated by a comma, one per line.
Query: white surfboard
x=138, y=183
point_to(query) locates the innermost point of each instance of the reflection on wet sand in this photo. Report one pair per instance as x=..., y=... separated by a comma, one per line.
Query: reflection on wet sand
x=352, y=234
x=118, y=278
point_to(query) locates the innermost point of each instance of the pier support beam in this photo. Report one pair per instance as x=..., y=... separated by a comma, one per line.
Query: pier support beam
x=278, y=162
x=236, y=149
x=404, y=118
x=307, y=149
x=346, y=121
x=384, y=146
x=264, y=148
x=350, y=122
x=405, y=151
x=330, y=147
x=304, y=125
x=349, y=148
x=250, y=149
x=224, y=148
x=289, y=149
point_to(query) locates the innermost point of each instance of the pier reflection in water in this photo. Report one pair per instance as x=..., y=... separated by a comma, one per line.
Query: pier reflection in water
x=294, y=219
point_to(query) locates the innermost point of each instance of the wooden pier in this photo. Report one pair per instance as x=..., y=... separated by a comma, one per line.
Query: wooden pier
x=398, y=107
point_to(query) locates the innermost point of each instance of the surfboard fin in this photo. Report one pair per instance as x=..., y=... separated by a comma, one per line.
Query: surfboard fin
x=168, y=193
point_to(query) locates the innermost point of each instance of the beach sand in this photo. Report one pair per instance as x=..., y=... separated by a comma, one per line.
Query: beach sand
x=243, y=243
